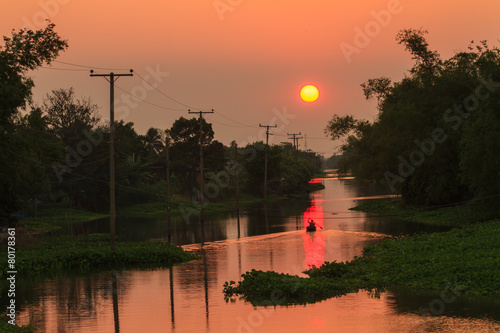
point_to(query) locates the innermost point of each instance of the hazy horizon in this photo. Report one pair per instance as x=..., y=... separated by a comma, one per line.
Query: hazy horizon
x=243, y=59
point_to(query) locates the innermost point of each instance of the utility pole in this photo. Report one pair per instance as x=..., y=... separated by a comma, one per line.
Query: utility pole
x=112, y=210
x=237, y=187
x=169, y=227
x=297, y=144
x=202, y=176
x=267, y=150
x=294, y=138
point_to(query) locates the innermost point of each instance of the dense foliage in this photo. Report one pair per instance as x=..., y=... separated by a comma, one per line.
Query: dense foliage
x=289, y=170
x=22, y=157
x=185, y=134
x=435, y=139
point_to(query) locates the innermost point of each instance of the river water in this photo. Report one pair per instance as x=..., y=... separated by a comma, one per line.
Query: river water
x=188, y=297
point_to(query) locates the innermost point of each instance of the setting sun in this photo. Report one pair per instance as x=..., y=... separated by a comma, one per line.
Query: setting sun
x=309, y=93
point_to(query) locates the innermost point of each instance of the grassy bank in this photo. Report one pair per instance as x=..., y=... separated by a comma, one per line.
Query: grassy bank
x=66, y=253
x=325, y=174
x=191, y=208
x=55, y=218
x=467, y=258
x=452, y=216
x=9, y=328
x=81, y=253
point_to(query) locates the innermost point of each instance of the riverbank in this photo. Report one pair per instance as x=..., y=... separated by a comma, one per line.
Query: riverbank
x=466, y=259
x=56, y=217
x=53, y=219
x=54, y=255
x=65, y=253
x=450, y=216
x=182, y=207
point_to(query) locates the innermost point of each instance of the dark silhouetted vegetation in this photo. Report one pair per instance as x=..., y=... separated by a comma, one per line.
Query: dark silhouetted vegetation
x=56, y=154
x=9, y=328
x=435, y=138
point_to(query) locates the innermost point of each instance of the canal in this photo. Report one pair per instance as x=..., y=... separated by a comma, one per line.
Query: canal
x=188, y=297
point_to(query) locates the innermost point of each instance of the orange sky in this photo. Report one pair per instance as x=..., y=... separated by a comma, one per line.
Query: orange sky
x=244, y=58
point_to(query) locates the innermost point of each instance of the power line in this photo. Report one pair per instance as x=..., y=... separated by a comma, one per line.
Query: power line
x=161, y=92
x=89, y=67
x=155, y=88
x=267, y=152
x=107, y=68
x=295, y=139
x=153, y=104
x=191, y=107
x=65, y=69
x=237, y=122
x=228, y=125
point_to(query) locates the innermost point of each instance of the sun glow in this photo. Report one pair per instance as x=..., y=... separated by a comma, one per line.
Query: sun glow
x=309, y=93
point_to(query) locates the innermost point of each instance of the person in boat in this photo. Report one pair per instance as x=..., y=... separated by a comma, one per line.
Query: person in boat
x=312, y=224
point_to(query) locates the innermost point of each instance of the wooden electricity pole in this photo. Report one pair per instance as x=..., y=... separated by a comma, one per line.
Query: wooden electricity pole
x=237, y=187
x=237, y=180
x=202, y=176
x=169, y=226
x=267, y=151
x=297, y=142
x=112, y=210
x=294, y=137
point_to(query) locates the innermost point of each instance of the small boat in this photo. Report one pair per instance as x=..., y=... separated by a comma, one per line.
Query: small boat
x=311, y=228
x=312, y=225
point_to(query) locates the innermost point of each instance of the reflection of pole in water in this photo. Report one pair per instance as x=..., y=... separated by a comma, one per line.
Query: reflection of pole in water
x=172, y=314
x=266, y=217
x=238, y=224
x=271, y=258
x=114, y=290
x=237, y=187
x=169, y=222
x=239, y=258
x=205, y=277
x=202, y=175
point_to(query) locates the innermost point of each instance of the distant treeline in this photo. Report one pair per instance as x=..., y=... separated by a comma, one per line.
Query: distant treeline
x=436, y=137
x=59, y=151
